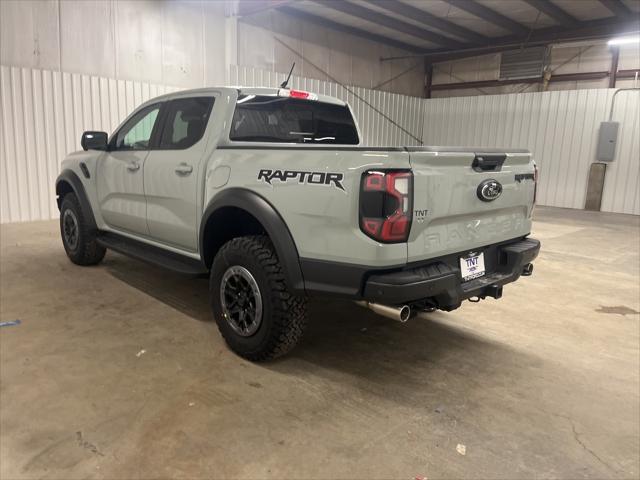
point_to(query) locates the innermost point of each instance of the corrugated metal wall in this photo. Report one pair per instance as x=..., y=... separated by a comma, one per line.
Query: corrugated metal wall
x=273, y=40
x=43, y=114
x=377, y=130
x=179, y=43
x=560, y=128
x=572, y=57
x=622, y=182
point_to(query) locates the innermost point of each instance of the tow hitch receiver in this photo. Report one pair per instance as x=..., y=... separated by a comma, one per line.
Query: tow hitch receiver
x=494, y=291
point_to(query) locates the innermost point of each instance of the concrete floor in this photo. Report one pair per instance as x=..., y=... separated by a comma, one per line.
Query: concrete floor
x=117, y=371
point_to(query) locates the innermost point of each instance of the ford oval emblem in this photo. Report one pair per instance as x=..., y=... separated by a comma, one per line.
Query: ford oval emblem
x=489, y=190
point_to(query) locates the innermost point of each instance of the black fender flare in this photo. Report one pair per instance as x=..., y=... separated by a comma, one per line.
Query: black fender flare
x=272, y=222
x=70, y=177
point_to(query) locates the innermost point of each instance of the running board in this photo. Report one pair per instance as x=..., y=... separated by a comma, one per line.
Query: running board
x=150, y=254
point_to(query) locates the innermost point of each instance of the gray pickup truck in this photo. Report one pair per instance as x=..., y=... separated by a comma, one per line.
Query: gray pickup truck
x=270, y=193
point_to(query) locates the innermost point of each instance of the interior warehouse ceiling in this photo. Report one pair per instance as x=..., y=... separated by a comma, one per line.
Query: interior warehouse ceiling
x=446, y=29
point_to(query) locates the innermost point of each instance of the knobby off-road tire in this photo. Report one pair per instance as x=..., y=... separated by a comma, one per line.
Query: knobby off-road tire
x=250, y=265
x=78, y=238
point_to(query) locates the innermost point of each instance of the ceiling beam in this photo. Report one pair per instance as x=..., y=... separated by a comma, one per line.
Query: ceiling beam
x=388, y=22
x=421, y=16
x=616, y=7
x=554, y=11
x=615, y=57
x=564, y=77
x=491, y=16
x=588, y=30
x=350, y=30
x=628, y=74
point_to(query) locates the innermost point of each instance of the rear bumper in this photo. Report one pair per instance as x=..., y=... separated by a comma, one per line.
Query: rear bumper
x=435, y=282
x=440, y=281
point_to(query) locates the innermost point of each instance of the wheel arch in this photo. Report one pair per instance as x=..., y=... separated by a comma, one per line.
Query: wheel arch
x=67, y=182
x=249, y=213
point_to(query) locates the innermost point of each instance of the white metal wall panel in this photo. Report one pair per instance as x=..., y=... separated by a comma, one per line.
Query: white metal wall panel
x=170, y=43
x=622, y=181
x=376, y=129
x=564, y=58
x=273, y=40
x=559, y=127
x=43, y=114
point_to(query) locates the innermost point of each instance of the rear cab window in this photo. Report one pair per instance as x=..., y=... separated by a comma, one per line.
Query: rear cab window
x=264, y=118
x=185, y=122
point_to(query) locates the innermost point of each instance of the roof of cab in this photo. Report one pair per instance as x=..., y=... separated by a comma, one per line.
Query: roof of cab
x=267, y=91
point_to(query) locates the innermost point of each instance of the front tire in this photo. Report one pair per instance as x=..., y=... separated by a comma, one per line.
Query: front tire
x=78, y=238
x=257, y=315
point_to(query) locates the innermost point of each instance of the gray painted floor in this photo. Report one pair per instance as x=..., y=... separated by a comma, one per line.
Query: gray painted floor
x=116, y=371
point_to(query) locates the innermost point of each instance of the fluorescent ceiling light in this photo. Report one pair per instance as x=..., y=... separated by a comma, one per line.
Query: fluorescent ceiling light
x=625, y=40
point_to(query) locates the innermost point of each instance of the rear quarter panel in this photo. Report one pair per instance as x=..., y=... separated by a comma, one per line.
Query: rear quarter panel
x=323, y=219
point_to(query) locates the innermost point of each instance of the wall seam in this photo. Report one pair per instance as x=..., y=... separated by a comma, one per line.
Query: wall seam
x=59, y=36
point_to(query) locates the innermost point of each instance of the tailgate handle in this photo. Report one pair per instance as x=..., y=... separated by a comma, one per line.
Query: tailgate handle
x=488, y=162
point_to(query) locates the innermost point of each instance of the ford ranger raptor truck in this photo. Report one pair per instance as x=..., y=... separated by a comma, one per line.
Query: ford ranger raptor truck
x=270, y=193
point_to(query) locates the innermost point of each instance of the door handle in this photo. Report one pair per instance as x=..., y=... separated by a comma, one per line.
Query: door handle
x=133, y=167
x=184, y=169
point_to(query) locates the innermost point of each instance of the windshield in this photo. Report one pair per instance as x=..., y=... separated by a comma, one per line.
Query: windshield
x=260, y=118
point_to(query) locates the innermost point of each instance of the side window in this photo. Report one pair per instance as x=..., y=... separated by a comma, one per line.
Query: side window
x=185, y=122
x=136, y=133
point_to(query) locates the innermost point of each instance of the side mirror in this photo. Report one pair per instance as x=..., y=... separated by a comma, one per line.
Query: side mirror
x=94, y=140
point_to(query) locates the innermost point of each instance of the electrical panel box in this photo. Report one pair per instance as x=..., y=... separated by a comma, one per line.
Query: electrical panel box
x=607, y=139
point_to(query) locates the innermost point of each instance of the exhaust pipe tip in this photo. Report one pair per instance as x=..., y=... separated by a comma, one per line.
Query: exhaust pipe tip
x=404, y=314
x=399, y=314
x=527, y=270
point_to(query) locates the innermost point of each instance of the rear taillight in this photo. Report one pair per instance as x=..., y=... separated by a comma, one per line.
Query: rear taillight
x=535, y=182
x=386, y=204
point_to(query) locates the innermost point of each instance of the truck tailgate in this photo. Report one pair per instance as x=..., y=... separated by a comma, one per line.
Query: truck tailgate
x=449, y=214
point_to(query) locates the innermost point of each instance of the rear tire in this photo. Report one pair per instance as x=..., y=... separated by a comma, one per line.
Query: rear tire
x=257, y=315
x=78, y=238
